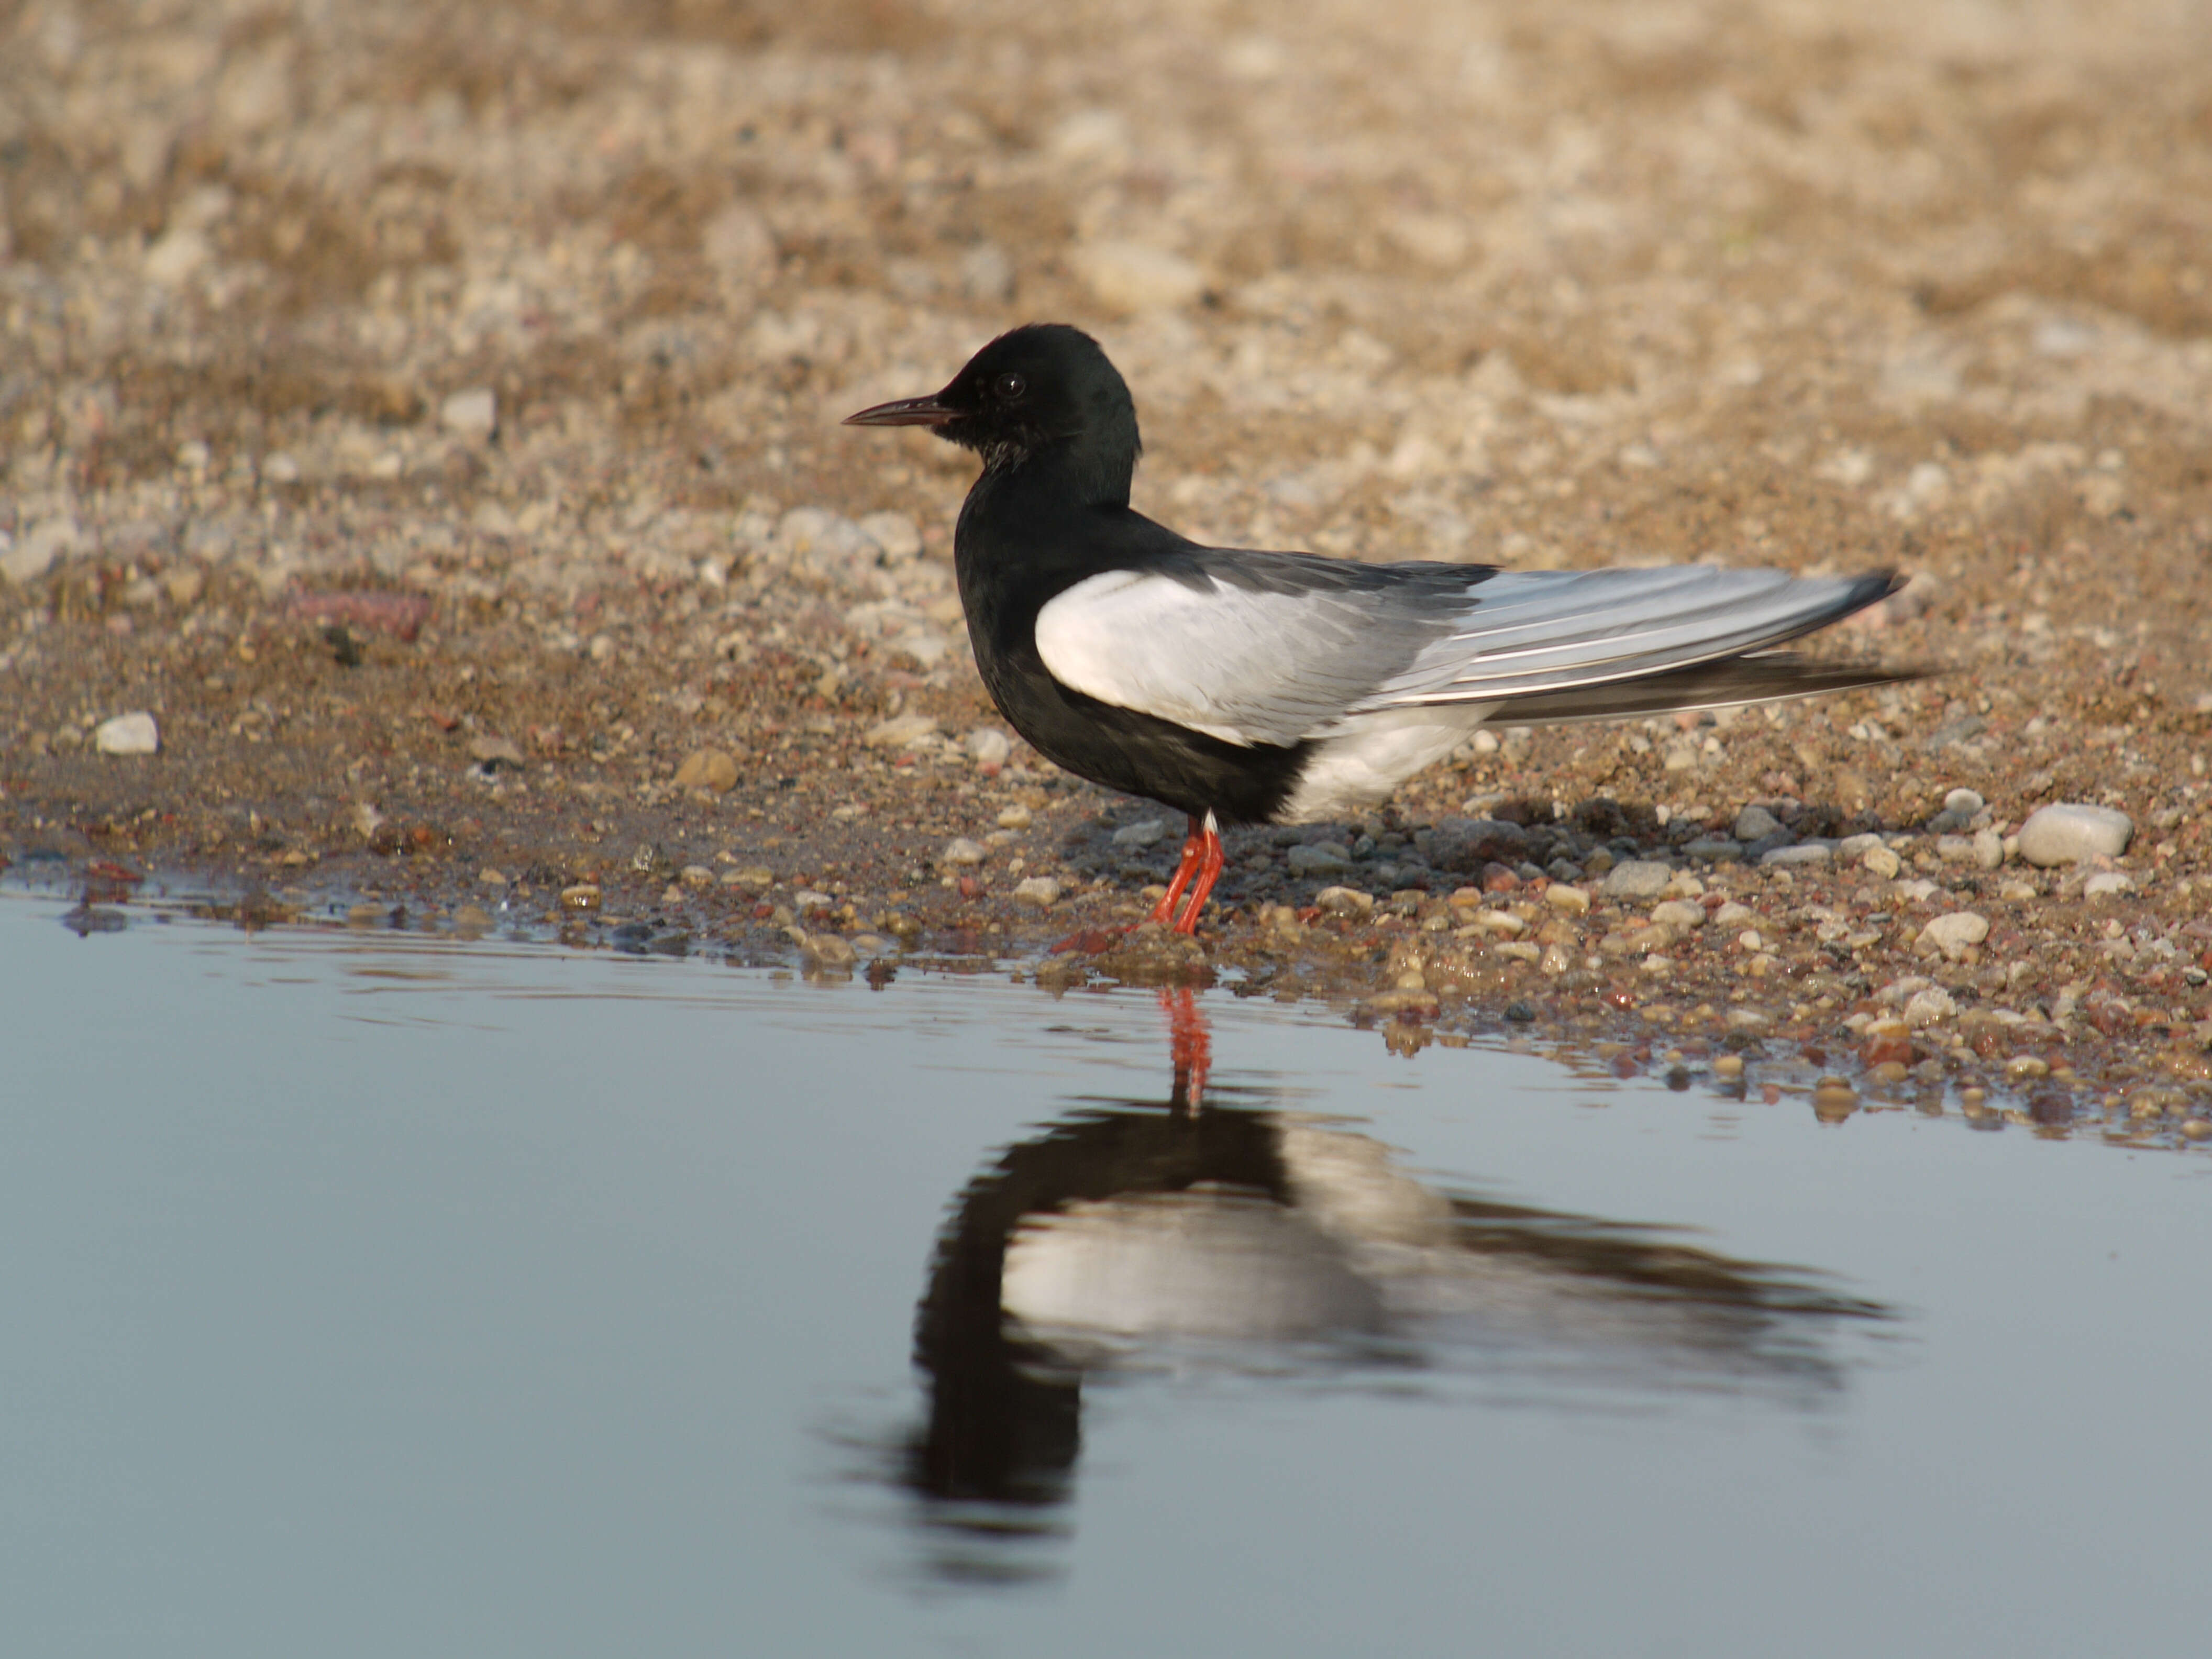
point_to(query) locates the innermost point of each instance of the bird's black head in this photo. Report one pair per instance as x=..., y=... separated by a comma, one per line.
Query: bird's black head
x=1043, y=393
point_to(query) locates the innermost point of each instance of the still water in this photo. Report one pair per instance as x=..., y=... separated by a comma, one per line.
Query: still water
x=376, y=1294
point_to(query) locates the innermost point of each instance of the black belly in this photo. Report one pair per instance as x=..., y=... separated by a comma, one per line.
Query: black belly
x=1145, y=755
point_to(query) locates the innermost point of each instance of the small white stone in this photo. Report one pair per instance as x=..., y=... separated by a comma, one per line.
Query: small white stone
x=1930, y=1007
x=1043, y=891
x=986, y=745
x=900, y=732
x=470, y=413
x=1679, y=912
x=1016, y=817
x=2071, y=832
x=1134, y=276
x=895, y=533
x=2108, y=884
x=35, y=554
x=960, y=851
x=1965, y=802
x=1956, y=933
x=1145, y=832
x=134, y=733
x=1880, y=862
x=1345, y=901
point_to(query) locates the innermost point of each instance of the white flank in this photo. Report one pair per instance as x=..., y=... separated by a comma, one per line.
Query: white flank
x=1241, y=667
x=1366, y=761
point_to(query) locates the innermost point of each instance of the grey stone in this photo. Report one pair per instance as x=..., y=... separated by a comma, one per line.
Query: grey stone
x=1145, y=832
x=961, y=851
x=2072, y=832
x=1755, y=823
x=1967, y=801
x=1466, y=844
x=1712, y=849
x=1810, y=852
x=1638, y=878
x=1042, y=891
x=1324, y=858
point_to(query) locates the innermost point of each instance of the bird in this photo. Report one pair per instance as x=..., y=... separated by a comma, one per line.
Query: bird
x=1241, y=686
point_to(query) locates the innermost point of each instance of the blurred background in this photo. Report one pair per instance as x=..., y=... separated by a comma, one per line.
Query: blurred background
x=1540, y=281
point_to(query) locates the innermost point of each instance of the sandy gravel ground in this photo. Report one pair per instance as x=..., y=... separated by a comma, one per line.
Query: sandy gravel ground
x=427, y=415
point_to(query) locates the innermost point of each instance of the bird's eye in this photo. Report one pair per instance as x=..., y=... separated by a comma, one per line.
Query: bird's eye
x=1010, y=388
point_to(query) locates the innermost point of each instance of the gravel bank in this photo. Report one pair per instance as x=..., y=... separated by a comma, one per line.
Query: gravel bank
x=422, y=488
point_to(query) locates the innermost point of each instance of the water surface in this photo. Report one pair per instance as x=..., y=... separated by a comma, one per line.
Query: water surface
x=371, y=1293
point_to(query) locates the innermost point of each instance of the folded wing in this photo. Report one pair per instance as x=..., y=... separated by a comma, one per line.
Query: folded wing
x=1278, y=648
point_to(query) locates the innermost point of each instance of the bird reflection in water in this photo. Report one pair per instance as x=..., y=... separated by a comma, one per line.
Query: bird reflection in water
x=1229, y=1234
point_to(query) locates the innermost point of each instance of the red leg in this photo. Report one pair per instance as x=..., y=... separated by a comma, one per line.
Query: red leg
x=1209, y=871
x=1193, y=847
x=1191, y=1044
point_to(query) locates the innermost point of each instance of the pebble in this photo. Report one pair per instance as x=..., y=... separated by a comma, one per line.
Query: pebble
x=1881, y=861
x=894, y=533
x=1323, y=858
x=1345, y=901
x=490, y=878
x=962, y=851
x=1679, y=912
x=471, y=918
x=900, y=732
x=828, y=953
x=2197, y=1128
x=2108, y=884
x=1043, y=891
x=1712, y=849
x=1956, y=933
x=1965, y=802
x=491, y=753
x=1574, y=900
x=1989, y=849
x=709, y=769
x=134, y=733
x=473, y=413
x=1637, y=879
x=1145, y=832
x=583, y=896
x=1930, y=1007
x=31, y=558
x=1136, y=276
x=2071, y=832
x=698, y=875
x=1755, y=823
x=1466, y=844
x=986, y=745
x=1733, y=914
x=1729, y=1065
x=753, y=875
x=1015, y=817
x=1809, y=851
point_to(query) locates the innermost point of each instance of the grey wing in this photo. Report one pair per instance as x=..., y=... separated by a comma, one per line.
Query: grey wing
x=1539, y=634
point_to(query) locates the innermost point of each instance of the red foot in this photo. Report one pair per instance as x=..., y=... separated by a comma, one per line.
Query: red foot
x=1202, y=856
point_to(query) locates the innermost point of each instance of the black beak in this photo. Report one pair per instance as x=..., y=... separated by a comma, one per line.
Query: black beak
x=932, y=410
